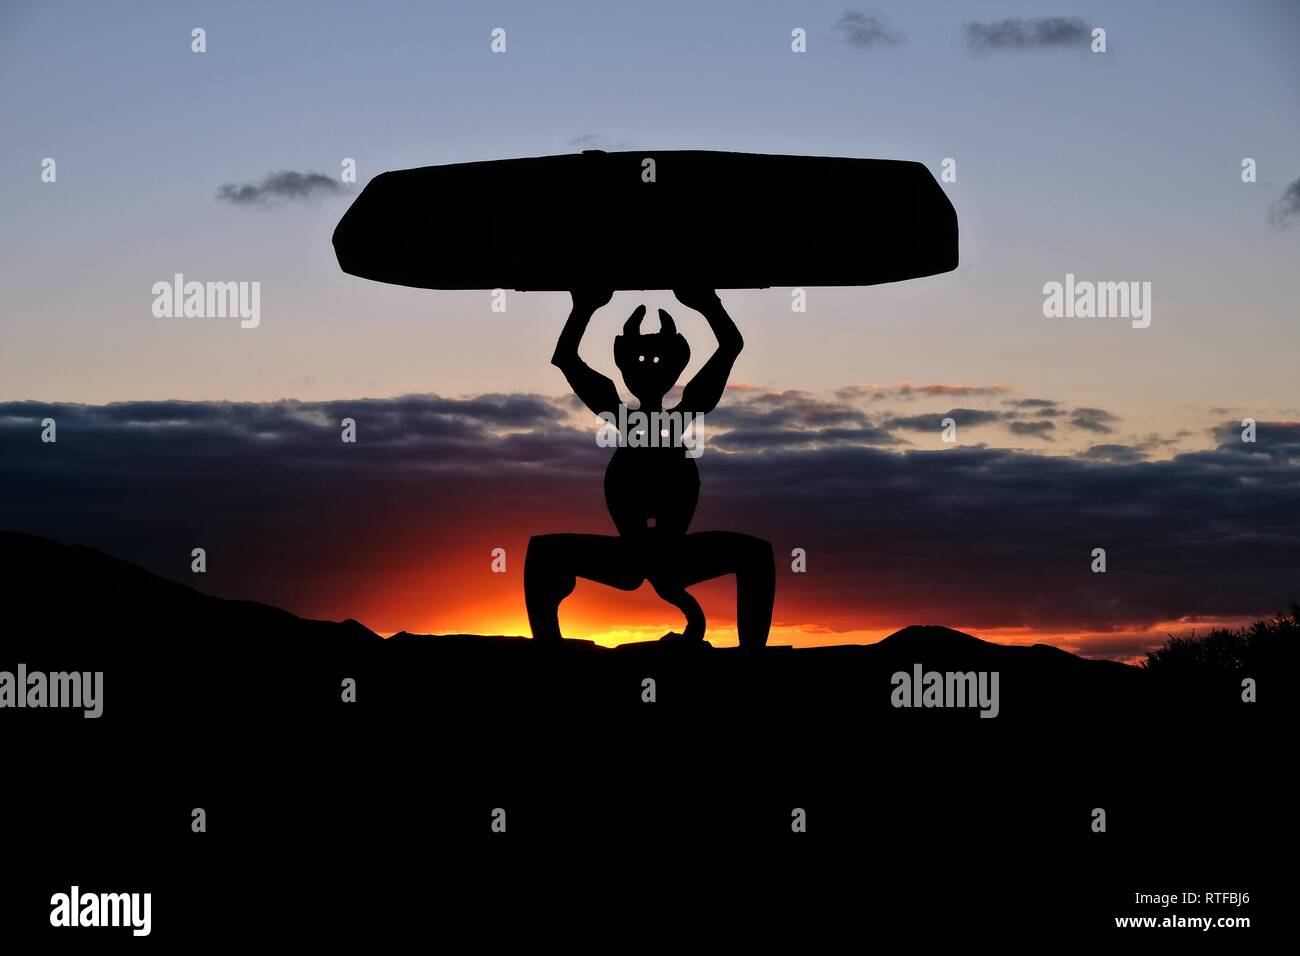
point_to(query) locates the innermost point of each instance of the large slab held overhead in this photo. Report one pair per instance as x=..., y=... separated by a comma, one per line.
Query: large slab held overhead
x=712, y=219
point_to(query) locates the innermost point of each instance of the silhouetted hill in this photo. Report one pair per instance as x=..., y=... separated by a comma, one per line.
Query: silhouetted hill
x=75, y=593
x=236, y=707
x=170, y=651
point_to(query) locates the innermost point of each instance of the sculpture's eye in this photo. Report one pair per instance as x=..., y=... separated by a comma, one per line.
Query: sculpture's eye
x=656, y=360
x=640, y=358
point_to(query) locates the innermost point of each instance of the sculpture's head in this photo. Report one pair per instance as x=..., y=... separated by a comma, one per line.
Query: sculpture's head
x=650, y=363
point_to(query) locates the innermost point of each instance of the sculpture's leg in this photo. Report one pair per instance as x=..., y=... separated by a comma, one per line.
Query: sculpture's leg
x=555, y=561
x=711, y=554
x=677, y=595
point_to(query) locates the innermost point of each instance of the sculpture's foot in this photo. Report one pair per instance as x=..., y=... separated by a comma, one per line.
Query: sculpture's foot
x=675, y=637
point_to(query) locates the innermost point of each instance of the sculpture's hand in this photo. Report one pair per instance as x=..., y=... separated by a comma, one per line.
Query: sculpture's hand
x=701, y=300
x=589, y=300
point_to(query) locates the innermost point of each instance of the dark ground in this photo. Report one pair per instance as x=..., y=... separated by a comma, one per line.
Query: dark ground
x=628, y=823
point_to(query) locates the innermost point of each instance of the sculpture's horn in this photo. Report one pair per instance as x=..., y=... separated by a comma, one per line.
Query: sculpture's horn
x=666, y=324
x=632, y=326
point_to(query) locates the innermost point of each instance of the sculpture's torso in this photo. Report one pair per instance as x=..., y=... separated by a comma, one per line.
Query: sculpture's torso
x=651, y=488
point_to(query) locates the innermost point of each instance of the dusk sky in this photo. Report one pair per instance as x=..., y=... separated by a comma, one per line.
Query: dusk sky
x=1074, y=433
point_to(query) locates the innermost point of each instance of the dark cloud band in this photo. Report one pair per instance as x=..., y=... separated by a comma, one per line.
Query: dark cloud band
x=969, y=535
x=283, y=186
x=1034, y=33
x=1285, y=210
x=867, y=29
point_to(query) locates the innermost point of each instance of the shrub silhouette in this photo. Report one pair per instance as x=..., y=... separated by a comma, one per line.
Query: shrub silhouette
x=1265, y=647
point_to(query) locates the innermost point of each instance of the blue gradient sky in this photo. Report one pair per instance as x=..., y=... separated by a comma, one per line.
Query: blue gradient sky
x=1115, y=167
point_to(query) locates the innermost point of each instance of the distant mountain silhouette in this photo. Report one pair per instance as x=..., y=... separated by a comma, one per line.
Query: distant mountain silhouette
x=170, y=650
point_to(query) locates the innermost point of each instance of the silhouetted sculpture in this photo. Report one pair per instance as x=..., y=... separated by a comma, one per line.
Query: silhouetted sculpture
x=395, y=231
x=651, y=491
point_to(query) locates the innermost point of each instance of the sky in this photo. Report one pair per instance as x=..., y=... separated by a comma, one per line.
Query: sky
x=1119, y=166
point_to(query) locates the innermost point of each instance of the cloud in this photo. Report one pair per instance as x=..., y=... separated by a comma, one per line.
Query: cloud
x=1278, y=440
x=1037, y=429
x=1116, y=454
x=967, y=417
x=757, y=438
x=1093, y=420
x=866, y=29
x=279, y=187
x=1119, y=645
x=1025, y=34
x=1286, y=208
x=971, y=536
x=1155, y=442
x=597, y=141
x=906, y=390
x=1039, y=407
x=764, y=419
